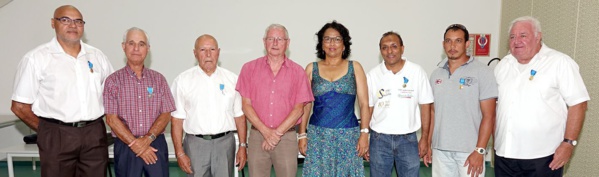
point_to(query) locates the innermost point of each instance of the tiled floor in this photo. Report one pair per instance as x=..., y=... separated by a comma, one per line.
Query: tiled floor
x=24, y=169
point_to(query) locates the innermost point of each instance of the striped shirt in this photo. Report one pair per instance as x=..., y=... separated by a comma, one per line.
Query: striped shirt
x=137, y=102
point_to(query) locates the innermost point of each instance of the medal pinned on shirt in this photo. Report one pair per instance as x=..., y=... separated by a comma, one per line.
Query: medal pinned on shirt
x=91, y=66
x=462, y=82
x=405, y=82
x=150, y=92
x=532, y=74
x=222, y=88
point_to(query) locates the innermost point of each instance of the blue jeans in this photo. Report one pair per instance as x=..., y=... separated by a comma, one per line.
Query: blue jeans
x=401, y=149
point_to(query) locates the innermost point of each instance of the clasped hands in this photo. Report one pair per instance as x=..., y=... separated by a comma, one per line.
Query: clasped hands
x=272, y=137
x=142, y=149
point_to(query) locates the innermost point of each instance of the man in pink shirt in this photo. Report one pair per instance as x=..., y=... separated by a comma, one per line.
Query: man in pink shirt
x=274, y=91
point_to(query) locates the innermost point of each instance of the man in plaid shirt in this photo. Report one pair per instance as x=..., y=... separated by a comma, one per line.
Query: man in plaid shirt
x=138, y=103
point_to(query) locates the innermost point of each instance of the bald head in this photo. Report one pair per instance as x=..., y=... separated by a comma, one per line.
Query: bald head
x=204, y=38
x=60, y=11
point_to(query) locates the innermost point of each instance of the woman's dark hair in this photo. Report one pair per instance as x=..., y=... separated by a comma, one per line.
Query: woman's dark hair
x=344, y=34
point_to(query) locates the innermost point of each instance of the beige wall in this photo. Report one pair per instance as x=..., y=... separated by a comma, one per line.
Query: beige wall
x=572, y=27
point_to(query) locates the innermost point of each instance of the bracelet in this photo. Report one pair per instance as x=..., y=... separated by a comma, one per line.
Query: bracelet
x=181, y=154
x=243, y=145
x=302, y=136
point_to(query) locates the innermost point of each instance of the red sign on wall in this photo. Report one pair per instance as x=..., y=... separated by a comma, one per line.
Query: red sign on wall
x=482, y=44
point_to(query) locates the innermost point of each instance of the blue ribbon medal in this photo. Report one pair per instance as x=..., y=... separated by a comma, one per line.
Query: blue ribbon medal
x=462, y=82
x=91, y=66
x=405, y=82
x=150, y=91
x=532, y=74
x=222, y=88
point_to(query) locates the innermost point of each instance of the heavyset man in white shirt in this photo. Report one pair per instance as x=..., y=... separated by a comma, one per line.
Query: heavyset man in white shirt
x=208, y=111
x=541, y=108
x=58, y=93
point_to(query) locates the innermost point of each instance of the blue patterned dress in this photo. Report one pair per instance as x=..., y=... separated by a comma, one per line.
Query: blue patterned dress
x=333, y=129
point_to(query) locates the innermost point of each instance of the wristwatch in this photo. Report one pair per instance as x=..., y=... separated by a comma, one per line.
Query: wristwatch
x=480, y=150
x=364, y=130
x=243, y=145
x=152, y=137
x=569, y=141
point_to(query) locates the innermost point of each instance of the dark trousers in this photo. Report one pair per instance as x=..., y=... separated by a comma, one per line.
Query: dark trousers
x=72, y=151
x=126, y=164
x=525, y=167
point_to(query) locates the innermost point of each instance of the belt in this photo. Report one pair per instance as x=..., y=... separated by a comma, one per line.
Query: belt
x=291, y=129
x=71, y=124
x=215, y=136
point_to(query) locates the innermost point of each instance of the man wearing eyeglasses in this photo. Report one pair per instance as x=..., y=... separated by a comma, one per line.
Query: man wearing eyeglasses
x=274, y=91
x=58, y=93
x=138, y=103
x=465, y=92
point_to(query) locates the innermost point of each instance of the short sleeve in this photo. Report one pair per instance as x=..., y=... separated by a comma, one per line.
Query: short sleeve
x=27, y=81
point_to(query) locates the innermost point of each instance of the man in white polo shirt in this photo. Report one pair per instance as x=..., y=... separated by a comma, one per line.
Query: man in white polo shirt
x=541, y=108
x=400, y=98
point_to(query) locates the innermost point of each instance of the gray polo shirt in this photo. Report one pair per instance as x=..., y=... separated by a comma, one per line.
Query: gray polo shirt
x=457, y=104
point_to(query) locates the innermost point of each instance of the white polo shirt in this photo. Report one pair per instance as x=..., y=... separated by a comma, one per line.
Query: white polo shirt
x=396, y=108
x=208, y=104
x=531, y=114
x=60, y=86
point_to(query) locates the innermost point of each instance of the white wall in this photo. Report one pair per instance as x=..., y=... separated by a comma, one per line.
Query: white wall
x=239, y=26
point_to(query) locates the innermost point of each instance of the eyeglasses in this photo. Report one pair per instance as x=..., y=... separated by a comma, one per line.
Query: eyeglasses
x=337, y=39
x=68, y=21
x=278, y=39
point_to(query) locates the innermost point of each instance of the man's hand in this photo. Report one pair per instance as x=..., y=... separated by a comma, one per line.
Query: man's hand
x=302, y=145
x=362, y=146
x=562, y=156
x=423, y=148
x=241, y=158
x=139, y=145
x=272, y=137
x=184, y=163
x=428, y=158
x=149, y=156
x=475, y=163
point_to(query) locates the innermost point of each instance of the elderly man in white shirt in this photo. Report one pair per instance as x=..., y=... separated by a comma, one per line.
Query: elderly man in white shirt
x=541, y=108
x=208, y=111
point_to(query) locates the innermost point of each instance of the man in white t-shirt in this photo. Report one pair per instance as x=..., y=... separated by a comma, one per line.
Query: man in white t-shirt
x=541, y=108
x=400, y=98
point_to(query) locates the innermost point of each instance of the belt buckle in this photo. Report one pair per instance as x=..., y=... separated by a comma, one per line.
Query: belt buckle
x=207, y=137
x=79, y=124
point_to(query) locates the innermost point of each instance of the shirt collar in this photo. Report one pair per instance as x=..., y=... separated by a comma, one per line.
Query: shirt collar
x=56, y=48
x=216, y=71
x=285, y=63
x=131, y=72
x=445, y=62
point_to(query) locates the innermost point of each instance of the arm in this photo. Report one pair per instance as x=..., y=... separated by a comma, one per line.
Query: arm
x=365, y=113
x=303, y=143
x=23, y=111
x=241, y=125
x=177, y=136
x=425, y=117
x=576, y=115
x=476, y=161
x=428, y=159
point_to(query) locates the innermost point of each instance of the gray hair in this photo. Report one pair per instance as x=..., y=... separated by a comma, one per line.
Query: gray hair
x=533, y=21
x=136, y=29
x=276, y=26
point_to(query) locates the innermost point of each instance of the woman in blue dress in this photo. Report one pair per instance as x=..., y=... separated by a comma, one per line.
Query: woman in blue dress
x=335, y=142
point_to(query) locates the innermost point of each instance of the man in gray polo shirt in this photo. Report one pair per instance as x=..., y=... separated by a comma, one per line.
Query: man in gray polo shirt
x=465, y=92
